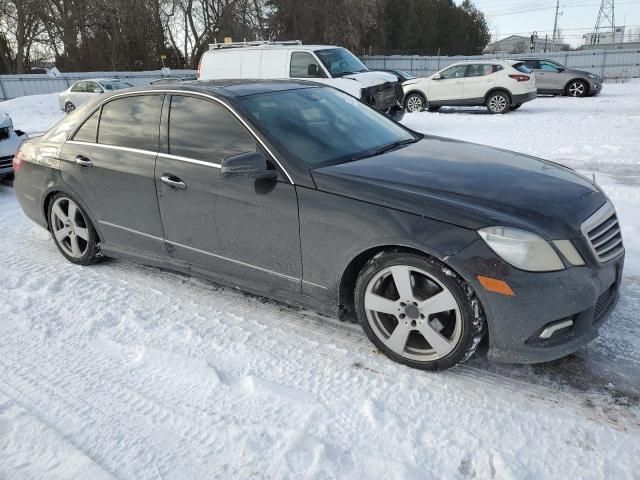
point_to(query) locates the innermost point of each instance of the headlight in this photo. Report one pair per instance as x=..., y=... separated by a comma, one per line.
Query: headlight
x=569, y=251
x=591, y=75
x=522, y=249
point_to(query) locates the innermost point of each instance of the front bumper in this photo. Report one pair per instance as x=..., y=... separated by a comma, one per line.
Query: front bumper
x=386, y=98
x=586, y=295
x=595, y=86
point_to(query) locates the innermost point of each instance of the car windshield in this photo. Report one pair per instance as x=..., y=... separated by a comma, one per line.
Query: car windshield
x=340, y=61
x=406, y=75
x=322, y=126
x=115, y=85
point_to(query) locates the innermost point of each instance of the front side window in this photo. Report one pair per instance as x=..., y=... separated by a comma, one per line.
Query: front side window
x=304, y=65
x=80, y=87
x=131, y=122
x=93, y=87
x=89, y=129
x=322, y=126
x=453, y=72
x=548, y=67
x=206, y=131
x=340, y=61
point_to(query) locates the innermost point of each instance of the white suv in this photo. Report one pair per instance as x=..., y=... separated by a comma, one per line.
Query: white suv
x=500, y=85
x=334, y=66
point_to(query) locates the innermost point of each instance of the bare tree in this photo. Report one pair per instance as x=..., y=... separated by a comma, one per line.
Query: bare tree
x=20, y=26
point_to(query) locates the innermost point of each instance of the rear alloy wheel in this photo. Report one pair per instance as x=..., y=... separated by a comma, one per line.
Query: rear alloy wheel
x=498, y=102
x=577, y=88
x=69, y=107
x=414, y=103
x=417, y=314
x=72, y=231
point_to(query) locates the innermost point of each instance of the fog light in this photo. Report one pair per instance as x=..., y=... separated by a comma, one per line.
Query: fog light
x=550, y=330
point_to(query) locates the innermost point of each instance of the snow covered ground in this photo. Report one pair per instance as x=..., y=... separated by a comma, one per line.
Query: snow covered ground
x=125, y=371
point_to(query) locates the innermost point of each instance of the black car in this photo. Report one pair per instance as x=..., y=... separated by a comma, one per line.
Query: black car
x=300, y=192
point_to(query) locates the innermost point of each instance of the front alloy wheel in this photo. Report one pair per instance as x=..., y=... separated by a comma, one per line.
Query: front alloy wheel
x=577, y=88
x=414, y=103
x=415, y=313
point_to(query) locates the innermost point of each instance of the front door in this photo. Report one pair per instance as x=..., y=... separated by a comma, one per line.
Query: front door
x=548, y=77
x=109, y=163
x=241, y=227
x=448, y=86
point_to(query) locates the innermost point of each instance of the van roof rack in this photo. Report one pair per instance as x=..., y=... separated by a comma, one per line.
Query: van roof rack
x=257, y=43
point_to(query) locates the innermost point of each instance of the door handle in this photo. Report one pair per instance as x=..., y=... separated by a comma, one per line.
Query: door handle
x=173, y=182
x=83, y=161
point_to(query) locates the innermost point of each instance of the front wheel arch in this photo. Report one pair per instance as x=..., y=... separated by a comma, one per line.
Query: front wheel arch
x=418, y=93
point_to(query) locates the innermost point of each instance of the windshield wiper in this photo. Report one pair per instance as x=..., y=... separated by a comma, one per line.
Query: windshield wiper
x=394, y=145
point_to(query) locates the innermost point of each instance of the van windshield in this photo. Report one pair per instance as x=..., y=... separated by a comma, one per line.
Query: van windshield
x=340, y=61
x=321, y=126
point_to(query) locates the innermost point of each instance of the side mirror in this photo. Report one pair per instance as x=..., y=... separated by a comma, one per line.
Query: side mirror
x=560, y=69
x=97, y=90
x=248, y=165
x=436, y=77
x=314, y=71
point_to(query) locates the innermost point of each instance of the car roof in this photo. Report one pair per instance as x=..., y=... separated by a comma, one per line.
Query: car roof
x=232, y=88
x=492, y=61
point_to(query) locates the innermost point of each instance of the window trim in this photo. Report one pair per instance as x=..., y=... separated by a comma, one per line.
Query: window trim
x=179, y=92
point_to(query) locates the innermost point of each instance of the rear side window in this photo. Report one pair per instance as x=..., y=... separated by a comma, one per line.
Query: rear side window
x=89, y=129
x=203, y=130
x=131, y=122
x=79, y=87
x=521, y=68
x=303, y=65
x=479, y=70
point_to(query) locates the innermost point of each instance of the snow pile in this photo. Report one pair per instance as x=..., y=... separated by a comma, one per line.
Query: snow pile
x=33, y=114
x=125, y=371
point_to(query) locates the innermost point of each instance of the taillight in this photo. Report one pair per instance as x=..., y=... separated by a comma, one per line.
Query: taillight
x=521, y=78
x=18, y=161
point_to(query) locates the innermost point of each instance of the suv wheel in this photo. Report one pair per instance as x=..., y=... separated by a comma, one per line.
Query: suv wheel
x=72, y=230
x=498, y=102
x=69, y=107
x=418, y=312
x=414, y=102
x=577, y=88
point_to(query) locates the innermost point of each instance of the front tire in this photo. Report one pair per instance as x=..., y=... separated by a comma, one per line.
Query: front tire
x=498, y=102
x=414, y=102
x=72, y=231
x=417, y=311
x=577, y=88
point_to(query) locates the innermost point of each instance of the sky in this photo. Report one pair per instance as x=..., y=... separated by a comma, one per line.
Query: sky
x=507, y=17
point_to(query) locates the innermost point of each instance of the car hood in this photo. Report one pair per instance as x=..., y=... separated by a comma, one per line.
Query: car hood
x=470, y=185
x=580, y=72
x=370, y=79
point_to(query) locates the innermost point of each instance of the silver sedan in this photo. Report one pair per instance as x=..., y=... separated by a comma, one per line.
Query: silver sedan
x=84, y=90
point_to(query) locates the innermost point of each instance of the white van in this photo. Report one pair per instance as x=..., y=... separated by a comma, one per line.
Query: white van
x=333, y=66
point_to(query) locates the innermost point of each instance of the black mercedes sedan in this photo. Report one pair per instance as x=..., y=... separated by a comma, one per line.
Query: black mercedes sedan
x=299, y=192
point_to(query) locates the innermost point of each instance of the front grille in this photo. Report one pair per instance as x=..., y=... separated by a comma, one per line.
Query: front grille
x=603, y=234
x=603, y=302
x=4, y=133
x=6, y=161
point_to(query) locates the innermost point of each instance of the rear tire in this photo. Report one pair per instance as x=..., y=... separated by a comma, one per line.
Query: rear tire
x=415, y=102
x=417, y=311
x=498, y=102
x=577, y=88
x=72, y=231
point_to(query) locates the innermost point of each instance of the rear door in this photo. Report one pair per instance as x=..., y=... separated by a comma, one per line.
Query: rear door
x=479, y=79
x=449, y=86
x=240, y=227
x=109, y=163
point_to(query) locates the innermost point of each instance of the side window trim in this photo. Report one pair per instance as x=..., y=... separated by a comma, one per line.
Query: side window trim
x=194, y=94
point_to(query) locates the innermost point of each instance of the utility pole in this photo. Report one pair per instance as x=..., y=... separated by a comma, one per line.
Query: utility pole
x=555, y=27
